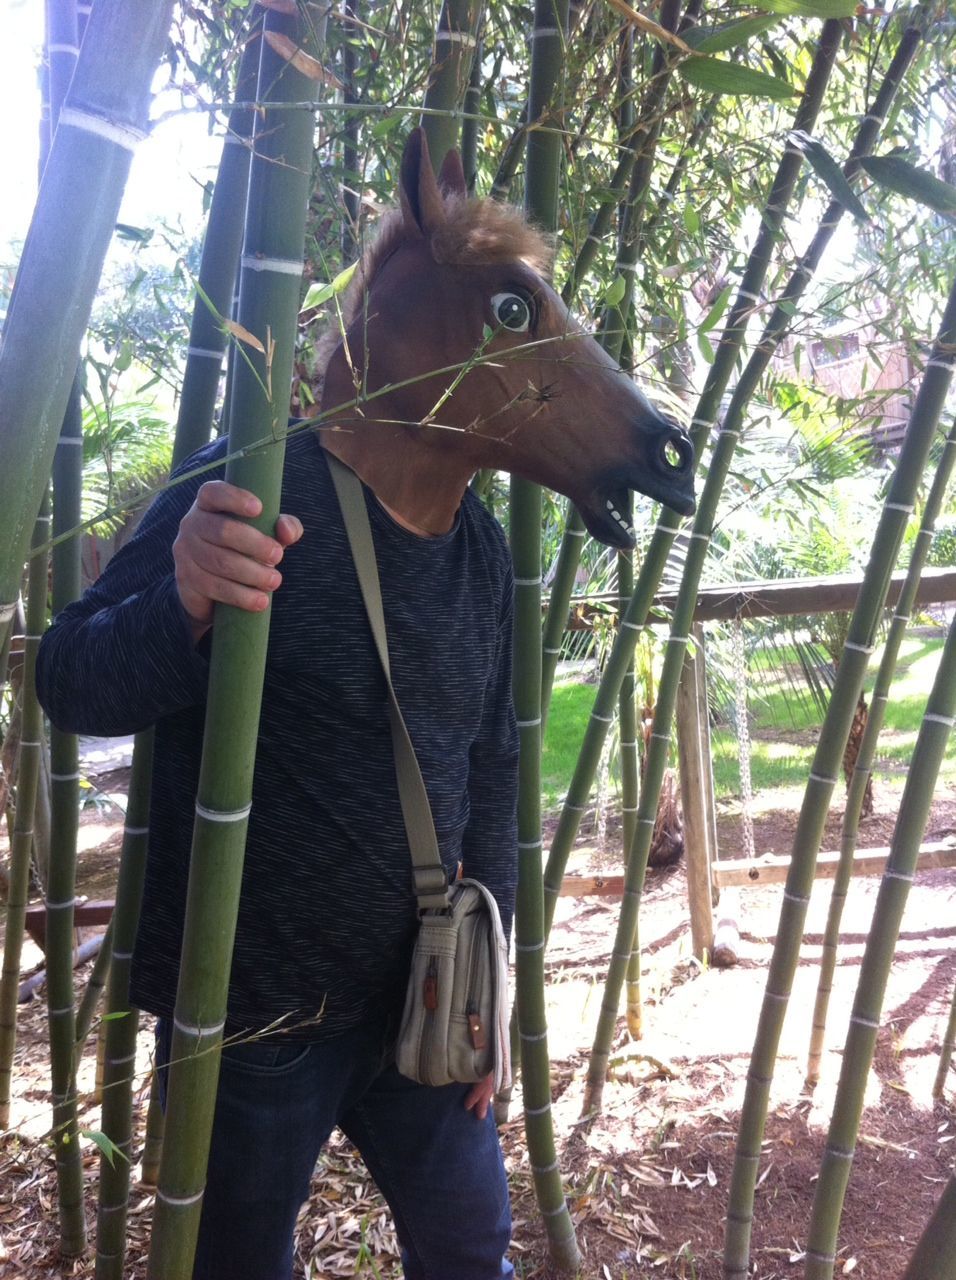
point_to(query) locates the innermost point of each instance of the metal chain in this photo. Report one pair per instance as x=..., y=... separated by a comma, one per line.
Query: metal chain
x=743, y=738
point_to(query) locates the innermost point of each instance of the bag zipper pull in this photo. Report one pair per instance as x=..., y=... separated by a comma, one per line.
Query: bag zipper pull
x=430, y=987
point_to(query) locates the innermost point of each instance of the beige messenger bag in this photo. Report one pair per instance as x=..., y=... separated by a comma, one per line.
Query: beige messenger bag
x=455, y=1024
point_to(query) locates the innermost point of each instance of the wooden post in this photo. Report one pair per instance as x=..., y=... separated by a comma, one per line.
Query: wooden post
x=693, y=748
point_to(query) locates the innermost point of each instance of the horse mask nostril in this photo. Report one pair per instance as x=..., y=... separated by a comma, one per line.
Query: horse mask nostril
x=675, y=453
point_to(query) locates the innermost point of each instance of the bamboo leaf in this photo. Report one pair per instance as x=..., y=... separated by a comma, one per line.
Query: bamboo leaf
x=826, y=168
x=318, y=293
x=648, y=24
x=719, y=76
x=243, y=335
x=691, y=220
x=728, y=35
x=615, y=292
x=303, y=62
x=125, y=231
x=812, y=8
x=106, y=1145
x=897, y=174
x=716, y=311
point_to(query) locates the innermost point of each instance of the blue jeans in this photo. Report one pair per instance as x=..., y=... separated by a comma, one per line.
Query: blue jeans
x=437, y=1165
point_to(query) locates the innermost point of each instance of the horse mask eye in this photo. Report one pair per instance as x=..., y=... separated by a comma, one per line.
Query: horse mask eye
x=512, y=311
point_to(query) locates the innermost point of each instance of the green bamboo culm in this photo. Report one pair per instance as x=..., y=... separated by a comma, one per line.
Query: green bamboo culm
x=104, y=116
x=22, y=839
x=863, y=767
x=659, y=741
x=705, y=415
x=878, y=957
x=64, y=825
x=470, y=123
x=543, y=166
x=153, y=1141
x=217, y=276
x=946, y=1052
x=614, y=321
x=823, y=777
x=219, y=263
x=119, y=1062
x=280, y=185
x=636, y=140
x=456, y=38
x=637, y=144
x=935, y=1255
x=92, y=994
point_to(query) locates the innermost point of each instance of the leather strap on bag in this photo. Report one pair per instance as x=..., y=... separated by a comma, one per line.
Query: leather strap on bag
x=428, y=875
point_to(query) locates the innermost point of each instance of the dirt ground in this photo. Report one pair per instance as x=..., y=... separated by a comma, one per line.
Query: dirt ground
x=647, y=1179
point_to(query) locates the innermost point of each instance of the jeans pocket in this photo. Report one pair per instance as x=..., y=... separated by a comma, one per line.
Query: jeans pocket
x=265, y=1057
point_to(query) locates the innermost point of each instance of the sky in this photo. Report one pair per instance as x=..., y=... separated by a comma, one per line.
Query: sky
x=168, y=167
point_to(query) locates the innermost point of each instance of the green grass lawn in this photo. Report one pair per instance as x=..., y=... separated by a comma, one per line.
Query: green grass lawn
x=784, y=727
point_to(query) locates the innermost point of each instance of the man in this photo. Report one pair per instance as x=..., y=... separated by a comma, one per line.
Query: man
x=327, y=916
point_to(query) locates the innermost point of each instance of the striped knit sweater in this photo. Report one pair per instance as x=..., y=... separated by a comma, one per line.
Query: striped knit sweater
x=327, y=915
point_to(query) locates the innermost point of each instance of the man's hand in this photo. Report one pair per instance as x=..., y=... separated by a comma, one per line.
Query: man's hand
x=480, y=1095
x=220, y=558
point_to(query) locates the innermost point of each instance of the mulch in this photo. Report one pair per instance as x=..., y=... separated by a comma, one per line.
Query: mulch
x=647, y=1178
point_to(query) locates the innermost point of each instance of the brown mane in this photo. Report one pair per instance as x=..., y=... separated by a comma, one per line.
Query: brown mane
x=474, y=233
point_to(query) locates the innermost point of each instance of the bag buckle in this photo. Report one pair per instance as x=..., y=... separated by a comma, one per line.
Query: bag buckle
x=431, y=888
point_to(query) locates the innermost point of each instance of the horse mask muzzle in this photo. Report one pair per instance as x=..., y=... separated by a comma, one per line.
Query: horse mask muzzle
x=663, y=470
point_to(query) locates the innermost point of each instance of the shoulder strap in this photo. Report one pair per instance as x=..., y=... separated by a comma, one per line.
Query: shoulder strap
x=428, y=874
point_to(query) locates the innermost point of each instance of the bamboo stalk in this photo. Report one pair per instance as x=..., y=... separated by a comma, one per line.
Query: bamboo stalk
x=705, y=415
x=469, y=123
x=351, y=15
x=153, y=1144
x=119, y=1065
x=935, y=1255
x=22, y=836
x=639, y=145
x=269, y=306
x=824, y=772
x=541, y=203
x=219, y=264
x=946, y=1053
x=455, y=42
x=877, y=960
x=217, y=280
x=90, y=1000
x=64, y=825
x=656, y=758
x=863, y=768
x=638, y=142
x=104, y=116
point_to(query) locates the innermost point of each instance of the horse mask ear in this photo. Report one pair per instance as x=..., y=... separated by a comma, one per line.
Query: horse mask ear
x=452, y=176
x=423, y=208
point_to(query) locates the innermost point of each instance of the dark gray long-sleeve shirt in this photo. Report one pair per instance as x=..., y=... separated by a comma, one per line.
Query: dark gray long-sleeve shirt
x=327, y=916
